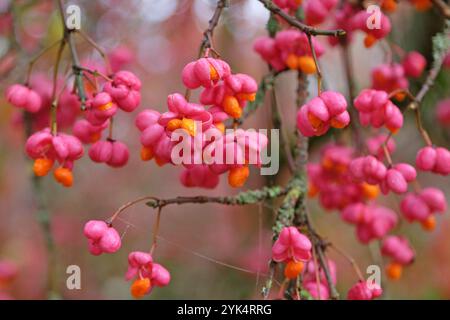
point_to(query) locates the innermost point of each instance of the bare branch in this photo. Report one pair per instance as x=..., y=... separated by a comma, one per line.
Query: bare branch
x=299, y=25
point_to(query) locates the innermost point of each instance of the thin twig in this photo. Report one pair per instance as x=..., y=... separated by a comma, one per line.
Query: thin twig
x=37, y=57
x=102, y=53
x=207, y=41
x=350, y=259
x=316, y=62
x=298, y=24
x=53, y=122
x=243, y=198
x=349, y=75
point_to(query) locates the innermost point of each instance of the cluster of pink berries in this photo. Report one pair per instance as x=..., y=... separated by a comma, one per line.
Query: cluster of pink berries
x=315, y=11
x=372, y=221
x=399, y=251
x=226, y=94
x=103, y=238
x=331, y=181
x=147, y=274
x=376, y=109
x=289, y=49
x=23, y=97
x=67, y=106
x=433, y=159
x=373, y=171
x=327, y=110
x=363, y=291
x=420, y=206
x=221, y=88
x=293, y=249
x=394, y=76
x=349, y=18
x=123, y=92
x=47, y=146
x=350, y=184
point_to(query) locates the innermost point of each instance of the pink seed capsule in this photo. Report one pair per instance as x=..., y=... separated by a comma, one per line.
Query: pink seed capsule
x=291, y=244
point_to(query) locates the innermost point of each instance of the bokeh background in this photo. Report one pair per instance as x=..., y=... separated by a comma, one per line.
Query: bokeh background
x=212, y=251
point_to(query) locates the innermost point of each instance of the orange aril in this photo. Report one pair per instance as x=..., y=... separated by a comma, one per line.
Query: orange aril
x=370, y=191
x=369, y=40
x=146, y=154
x=95, y=137
x=336, y=124
x=327, y=163
x=429, y=224
x=189, y=125
x=42, y=166
x=106, y=106
x=393, y=130
x=312, y=190
x=422, y=5
x=394, y=270
x=174, y=124
x=293, y=269
x=292, y=61
x=307, y=64
x=400, y=96
x=314, y=121
x=160, y=162
x=140, y=288
x=213, y=74
x=389, y=5
x=232, y=107
x=220, y=126
x=63, y=176
x=246, y=96
x=238, y=176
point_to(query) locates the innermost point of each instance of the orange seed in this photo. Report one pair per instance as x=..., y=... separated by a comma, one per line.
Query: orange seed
x=389, y=5
x=140, y=287
x=63, y=176
x=42, y=166
x=429, y=224
x=232, y=107
x=106, y=106
x=307, y=65
x=369, y=40
x=238, y=176
x=370, y=191
x=189, y=125
x=146, y=154
x=174, y=124
x=293, y=269
x=394, y=270
x=314, y=121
